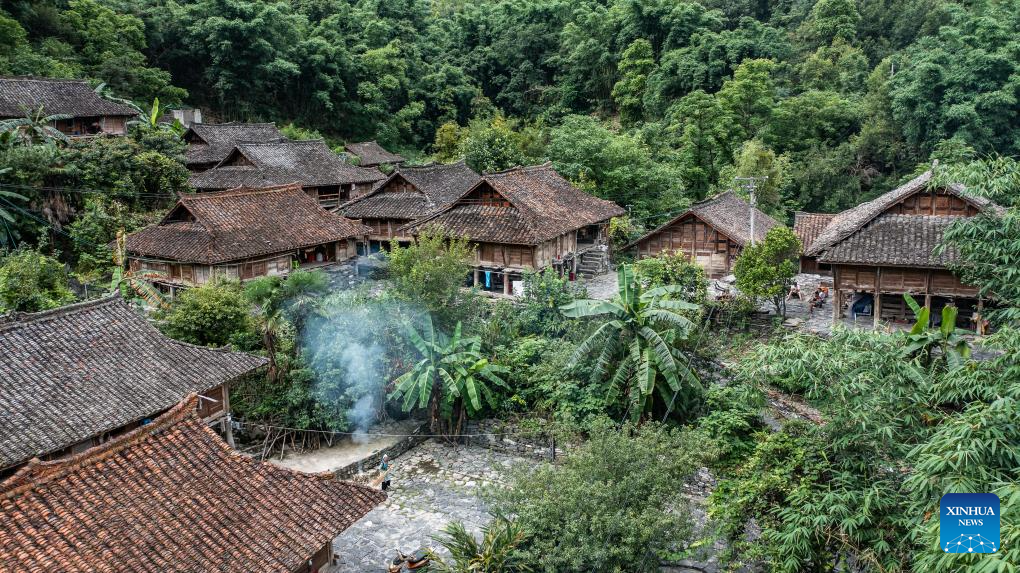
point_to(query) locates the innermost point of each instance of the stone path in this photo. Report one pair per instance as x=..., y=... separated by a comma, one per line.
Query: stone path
x=602, y=287
x=433, y=484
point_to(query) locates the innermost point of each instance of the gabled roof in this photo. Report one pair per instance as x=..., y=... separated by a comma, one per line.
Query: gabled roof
x=241, y=223
x=852, y=220
x=436, y=186
x=898, y=240
x=19, y=95
x=371, y=153
x=78, y=371
x=311, y=163
x=807, y=226
x=171, y=496
x=727, y=213
x=213, y=142
x=542, y=206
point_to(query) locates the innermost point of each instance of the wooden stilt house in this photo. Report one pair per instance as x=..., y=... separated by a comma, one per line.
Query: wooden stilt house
x=807, y=227
x=211, y=143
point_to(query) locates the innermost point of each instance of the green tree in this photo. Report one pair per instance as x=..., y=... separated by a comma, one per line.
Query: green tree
x=31, y=281
x=213, y=314
x=764, y=270
x=628, y=93
x=639, y=339
x=279, y=299
x=431, y=272
x=493, y=146
x=596, y=511
x=750, y=96
x=699, y=126
x=450, y=379
x=673, y=269
x=544, y=293
x=832, y=20
x=755, y=159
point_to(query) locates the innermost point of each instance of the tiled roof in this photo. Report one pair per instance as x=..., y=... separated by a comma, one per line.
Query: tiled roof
x=212, y=142
x=543, y=206
x=310, y=163
x=239, y=224
x=171, y=496
x=436, y=187
x=75, y=372
x=850, y=221
x=72, y=97
x=727, y=213
x=371, y=153
x=807, y=226
x=901, y=240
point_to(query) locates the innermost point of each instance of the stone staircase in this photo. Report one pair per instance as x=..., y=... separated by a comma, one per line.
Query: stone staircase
x=593, y=262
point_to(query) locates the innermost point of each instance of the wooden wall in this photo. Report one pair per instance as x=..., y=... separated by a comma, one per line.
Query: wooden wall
x=899, y=280
x=714, y=251
x=501, y=255
x=933, y=202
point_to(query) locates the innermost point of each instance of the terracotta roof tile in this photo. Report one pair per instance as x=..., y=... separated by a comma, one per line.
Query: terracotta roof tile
x=543, y=206
x=239, y=224
x=371, y=153
x=310, y=163
x=212, y=142
x=71, y=97
x=435, y=187
x=171, y=496
x=807, y=226
x=75, y=372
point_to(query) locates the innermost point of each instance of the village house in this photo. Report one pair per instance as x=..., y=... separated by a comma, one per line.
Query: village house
x=91, y=114
x=712, y=233
x=526, y=218
x=76, y=376
x=211, y=143
x=371, y=154
x=807, y=227
x=323, y=175
x=886, y=247
x=242, y=234
x=408, y=194
x=171, y=496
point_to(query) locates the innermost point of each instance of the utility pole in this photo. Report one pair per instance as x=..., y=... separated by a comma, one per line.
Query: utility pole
x=750, y=184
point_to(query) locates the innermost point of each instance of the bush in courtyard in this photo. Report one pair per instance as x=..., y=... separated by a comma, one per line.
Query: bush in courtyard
x=615, y=504
x=544, y=293
x=213, y=314
x=430, y=273
x=31, y=281
x=674, y=269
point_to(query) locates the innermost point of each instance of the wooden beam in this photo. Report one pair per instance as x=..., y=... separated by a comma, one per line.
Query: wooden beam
x=837, y=307
x=876, y=307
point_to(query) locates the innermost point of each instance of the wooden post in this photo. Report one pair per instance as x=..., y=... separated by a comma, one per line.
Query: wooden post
x=927, y=304
x=837, y=298
x=476, y=276
x=876, y=309
x=506, y=283
x=980, y=326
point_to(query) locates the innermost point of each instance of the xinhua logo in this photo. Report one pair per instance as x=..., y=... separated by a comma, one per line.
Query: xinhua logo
x=969, y=523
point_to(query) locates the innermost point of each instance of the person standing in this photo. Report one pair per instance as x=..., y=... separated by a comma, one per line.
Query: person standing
x=384, y=468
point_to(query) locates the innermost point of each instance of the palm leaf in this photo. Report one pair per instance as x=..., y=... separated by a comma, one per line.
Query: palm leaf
x=584, y=308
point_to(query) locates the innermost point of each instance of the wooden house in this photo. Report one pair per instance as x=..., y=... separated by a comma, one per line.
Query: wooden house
x=712, y=233
x=241, y=234
x=408, y=194
x=807, y=227
x=886, y=247
x=170, y=496
x=73, y=377
x=526, y=218
x=211, y=143
x=371, y=154
x=91, y=114
x=322, y=174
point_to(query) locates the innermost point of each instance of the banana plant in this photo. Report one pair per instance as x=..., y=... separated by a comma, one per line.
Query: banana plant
x=923, y=340
x=450, y=378
x=34, y=127
x=637, y=344
x=140, y=282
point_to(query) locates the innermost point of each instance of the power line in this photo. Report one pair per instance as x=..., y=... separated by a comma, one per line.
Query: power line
x=85, y=191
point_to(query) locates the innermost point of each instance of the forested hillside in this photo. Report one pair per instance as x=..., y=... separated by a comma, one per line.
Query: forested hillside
x=651, y=103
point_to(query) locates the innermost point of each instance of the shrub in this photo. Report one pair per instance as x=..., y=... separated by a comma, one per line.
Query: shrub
x=31, y=281
x=213, y=314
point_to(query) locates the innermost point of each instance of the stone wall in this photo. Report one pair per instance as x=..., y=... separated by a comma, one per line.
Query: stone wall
x=364, y=469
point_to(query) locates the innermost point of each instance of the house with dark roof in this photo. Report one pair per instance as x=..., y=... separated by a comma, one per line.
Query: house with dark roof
x=91, y=114
x=886, y=247
x=73, y=377
x=807, y=227
x=711, y=233
x=526, y=218
x=171, y=496
x=371, y=154
x=408, y=194
x=241, y=233
x=323, y=175
x=211, y=143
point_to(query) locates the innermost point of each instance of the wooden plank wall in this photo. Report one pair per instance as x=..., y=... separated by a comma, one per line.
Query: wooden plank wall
x=933, y=202
x=713, y=250
x=899, y=280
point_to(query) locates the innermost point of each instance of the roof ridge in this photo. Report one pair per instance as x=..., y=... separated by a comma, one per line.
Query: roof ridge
x=245, y=190
x=546, y=165
x=16, y=319
x=42, y=79
x=233, y=123
x=38, y=472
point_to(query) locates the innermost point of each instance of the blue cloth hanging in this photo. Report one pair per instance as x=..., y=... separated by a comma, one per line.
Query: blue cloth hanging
x=488, y=279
